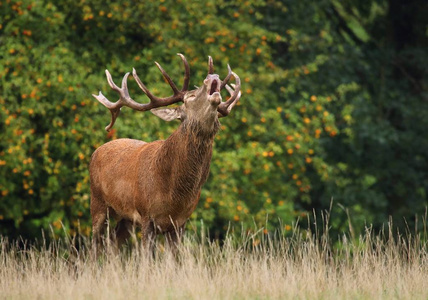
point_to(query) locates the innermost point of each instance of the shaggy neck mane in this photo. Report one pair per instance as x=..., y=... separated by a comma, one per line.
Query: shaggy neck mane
x=184, y=159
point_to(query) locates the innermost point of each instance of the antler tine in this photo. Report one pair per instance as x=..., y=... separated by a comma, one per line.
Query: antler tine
x=178, y=95
x=166, y=76
x=225, y=81
x=156, y=101
x=210, y=65
x=225, y=107
x=142, y=86
x=111, y=82
x=231, y=91
x=186, y=73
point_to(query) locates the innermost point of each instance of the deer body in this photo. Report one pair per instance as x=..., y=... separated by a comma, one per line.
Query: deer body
x=157, y=185
x=162, y=180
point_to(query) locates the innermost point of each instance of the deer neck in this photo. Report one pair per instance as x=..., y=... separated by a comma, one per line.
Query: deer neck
x=184, y=158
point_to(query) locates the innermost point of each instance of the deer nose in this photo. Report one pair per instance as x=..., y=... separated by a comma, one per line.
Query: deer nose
x=212, y=83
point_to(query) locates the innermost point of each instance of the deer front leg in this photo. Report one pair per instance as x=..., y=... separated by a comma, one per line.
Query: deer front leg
x=148, y=235
x=173, y=238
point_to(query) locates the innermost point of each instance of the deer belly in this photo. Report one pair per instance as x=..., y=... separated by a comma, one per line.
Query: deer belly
x=120, y=196
x=171, y=217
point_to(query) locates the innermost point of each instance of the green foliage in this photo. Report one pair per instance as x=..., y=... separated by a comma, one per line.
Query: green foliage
x=331, y=108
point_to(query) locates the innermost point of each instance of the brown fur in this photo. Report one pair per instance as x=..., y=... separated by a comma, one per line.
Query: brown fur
x=155, y=186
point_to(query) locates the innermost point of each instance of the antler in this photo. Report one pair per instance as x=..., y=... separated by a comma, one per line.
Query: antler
x=235, y=93
x=126, y=100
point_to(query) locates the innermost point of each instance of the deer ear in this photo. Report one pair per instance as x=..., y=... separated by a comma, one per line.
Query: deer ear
x=168, y=114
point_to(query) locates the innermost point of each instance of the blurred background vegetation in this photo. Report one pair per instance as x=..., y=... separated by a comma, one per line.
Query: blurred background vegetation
x=334, y=106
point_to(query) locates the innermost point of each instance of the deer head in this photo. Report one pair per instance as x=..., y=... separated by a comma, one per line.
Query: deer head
x=203, y=105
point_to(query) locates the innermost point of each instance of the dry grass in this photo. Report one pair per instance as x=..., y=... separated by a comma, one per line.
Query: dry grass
x=303, y=266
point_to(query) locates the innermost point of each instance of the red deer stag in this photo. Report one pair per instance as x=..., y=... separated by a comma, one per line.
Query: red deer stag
x=157, y=185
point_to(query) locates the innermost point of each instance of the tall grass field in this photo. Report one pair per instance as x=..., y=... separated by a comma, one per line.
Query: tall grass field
x=254, y=265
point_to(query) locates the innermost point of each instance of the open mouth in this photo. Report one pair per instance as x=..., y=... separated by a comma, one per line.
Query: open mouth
x=214, y=87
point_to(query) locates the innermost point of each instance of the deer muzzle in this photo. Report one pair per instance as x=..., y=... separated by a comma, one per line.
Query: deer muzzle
x=213, y=84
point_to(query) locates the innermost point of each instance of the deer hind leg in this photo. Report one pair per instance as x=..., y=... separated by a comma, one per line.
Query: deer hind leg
x=98, y=228
x=122, y=232
x=99, y=217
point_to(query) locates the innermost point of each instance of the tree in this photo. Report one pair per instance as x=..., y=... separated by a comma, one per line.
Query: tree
x=333, y=105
